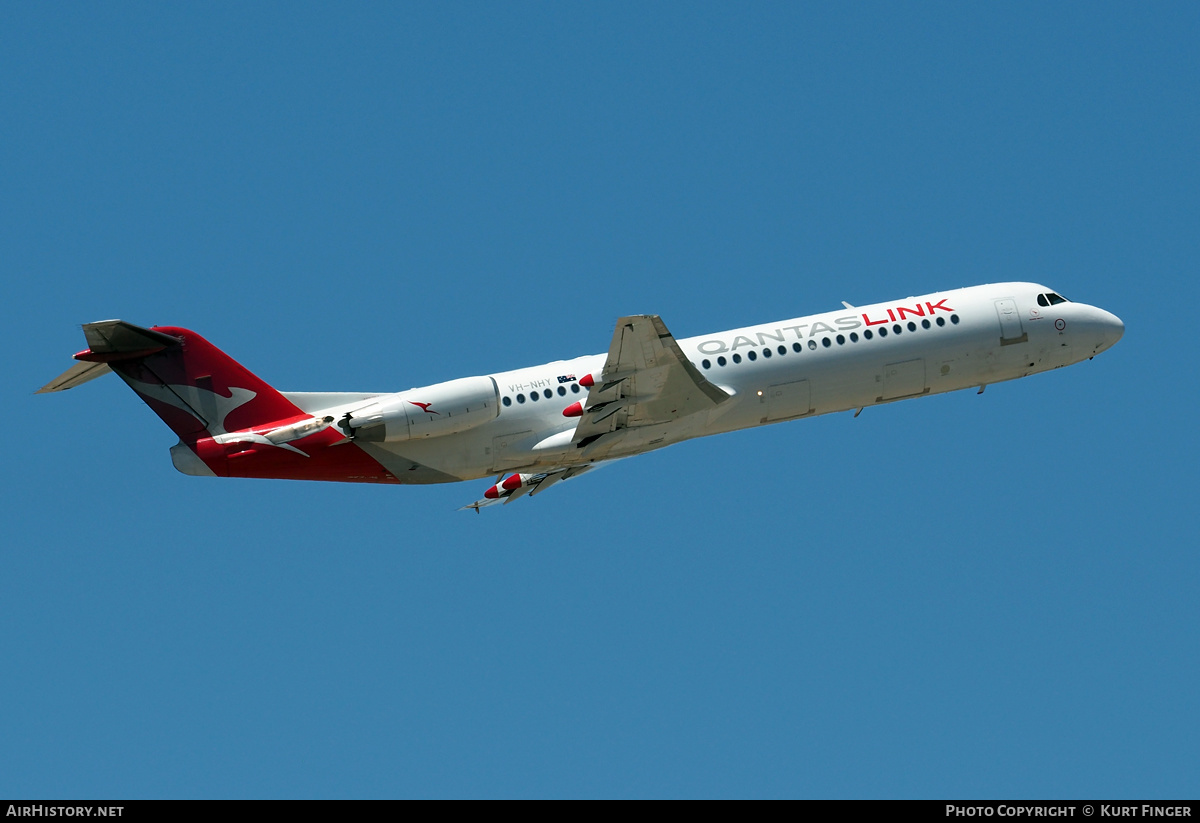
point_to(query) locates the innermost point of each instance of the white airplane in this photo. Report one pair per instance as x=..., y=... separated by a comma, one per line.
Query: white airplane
x=533, y=427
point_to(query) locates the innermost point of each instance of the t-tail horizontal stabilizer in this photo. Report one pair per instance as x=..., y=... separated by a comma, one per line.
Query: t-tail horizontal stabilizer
x=109, y=341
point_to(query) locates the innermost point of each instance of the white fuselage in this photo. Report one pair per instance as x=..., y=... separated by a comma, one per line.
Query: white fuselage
x=841, y=360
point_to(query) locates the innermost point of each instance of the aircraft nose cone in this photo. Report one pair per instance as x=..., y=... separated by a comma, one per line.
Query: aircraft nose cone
x=1106, y=327
x=1114, y=329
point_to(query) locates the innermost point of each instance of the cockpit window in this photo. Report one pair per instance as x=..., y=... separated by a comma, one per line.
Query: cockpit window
x=1051, y=299
x=1042, y=301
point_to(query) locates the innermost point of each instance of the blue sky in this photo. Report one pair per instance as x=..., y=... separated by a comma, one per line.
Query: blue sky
x=963, y=596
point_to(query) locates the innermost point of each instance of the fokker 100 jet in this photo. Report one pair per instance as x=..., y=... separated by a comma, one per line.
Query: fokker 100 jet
x=533, y=427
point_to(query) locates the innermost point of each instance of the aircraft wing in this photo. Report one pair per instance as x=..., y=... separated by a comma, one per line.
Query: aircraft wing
x=646, y=380
x=519, y=485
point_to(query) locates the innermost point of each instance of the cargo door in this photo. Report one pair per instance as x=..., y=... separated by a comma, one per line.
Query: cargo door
x=905, y=379
x=787, y=400
x=1010, y=322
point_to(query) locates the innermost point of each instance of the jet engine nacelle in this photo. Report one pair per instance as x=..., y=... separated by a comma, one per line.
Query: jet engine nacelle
x=445, y=408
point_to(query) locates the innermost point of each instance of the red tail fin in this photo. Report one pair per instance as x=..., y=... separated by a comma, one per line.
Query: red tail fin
x=229, y=422
x=195, y=388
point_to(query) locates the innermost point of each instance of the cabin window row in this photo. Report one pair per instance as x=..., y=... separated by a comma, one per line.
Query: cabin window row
x=828, y=342
x=534, y=396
